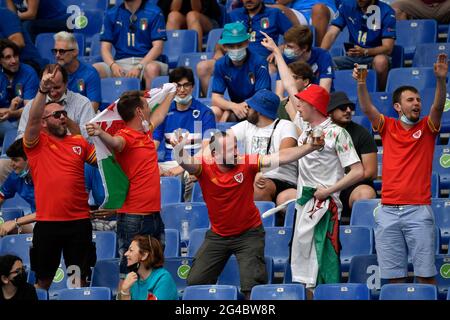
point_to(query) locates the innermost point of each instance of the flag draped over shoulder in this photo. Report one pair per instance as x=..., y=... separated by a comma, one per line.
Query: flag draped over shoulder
x=115, y=182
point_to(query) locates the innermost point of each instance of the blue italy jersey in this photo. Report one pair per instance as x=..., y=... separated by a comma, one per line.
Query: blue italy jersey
x=24, y=84
x=243, y=81
x=197, y=119
x=48, y=9
x=9, y=25
x=364, y=29
x=22, y=186
x=270, y=20
x=94, y=184
x=86, y=81
x=132, y=36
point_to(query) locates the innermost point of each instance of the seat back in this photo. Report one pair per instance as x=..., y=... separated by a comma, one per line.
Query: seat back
x=342, y=291
x=278, y=292
x=179, y=42
x=105, y=243
x=408, y=291
x=172, y=248
x=210, y=292
x=106, y=274
x=92, y=293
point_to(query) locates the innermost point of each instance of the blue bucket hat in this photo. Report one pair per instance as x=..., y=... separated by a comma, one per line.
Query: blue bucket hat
x=233, y=33
x=265, y=102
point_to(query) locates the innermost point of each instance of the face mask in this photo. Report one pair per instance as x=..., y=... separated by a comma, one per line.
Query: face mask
x=24, y=173
x=61, y=100
x=134, y=267
x=405, y=120
x=183, y=101
x=290, y=53
x=19, y=280
x=237, y=54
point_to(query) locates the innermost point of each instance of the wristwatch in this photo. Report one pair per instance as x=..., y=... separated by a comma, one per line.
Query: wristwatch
x=140, y=66
x=366, y=52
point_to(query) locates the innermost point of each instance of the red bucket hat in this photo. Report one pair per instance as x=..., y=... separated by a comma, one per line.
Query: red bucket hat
x=316, y=96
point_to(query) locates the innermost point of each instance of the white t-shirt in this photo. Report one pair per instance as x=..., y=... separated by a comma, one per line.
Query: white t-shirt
x=325, y=168
x=254, y=140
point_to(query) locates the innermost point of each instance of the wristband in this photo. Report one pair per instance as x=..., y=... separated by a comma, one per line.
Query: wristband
x=111, y=64
x=43, y=92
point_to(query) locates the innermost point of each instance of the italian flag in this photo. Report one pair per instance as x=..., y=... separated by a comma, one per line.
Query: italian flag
x=115, y=182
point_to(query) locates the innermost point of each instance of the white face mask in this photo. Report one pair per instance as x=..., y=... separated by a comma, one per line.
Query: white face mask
x=237, y=54
x=290, y=53
x=184, y=101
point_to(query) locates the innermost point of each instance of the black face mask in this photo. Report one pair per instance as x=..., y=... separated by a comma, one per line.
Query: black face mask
x=134, y=268
x=19, y=280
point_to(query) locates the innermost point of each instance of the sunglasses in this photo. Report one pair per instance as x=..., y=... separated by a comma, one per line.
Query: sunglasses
x=61, y=51
x=57, y=114
x=345, y=106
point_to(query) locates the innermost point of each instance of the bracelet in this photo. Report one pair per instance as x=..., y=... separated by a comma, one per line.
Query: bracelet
x=111, y=64
x=43, y=92
x=123, y=293
x=18, y=227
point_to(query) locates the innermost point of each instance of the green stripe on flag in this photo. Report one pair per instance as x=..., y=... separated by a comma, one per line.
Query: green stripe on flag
x=116, y=182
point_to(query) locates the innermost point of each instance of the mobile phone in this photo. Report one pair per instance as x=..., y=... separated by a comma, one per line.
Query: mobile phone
x=348, y=46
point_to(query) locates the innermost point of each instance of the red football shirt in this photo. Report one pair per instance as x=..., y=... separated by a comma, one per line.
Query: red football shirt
x=407, y=161
x=229, y=196
x=139, y=161
x=57, y=168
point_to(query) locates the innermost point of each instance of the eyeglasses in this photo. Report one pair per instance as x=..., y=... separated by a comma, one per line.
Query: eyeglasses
x=345, y=106
x=57, y=114
x=61, y=51
x=186, y=85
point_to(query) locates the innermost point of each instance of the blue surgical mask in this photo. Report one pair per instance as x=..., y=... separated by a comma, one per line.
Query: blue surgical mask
x=405, y=120
x=290, y=53
x=24, y=173
x=237, y=54
x=184, y=101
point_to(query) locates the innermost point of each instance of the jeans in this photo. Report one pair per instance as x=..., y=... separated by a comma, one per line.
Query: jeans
x=130, y=225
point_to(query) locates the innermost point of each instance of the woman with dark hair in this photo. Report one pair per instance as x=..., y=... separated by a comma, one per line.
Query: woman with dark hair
x=14, y=286
x=147, y=279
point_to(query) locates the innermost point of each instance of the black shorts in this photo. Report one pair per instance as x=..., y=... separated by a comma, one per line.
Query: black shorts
x=345, y=196
x=72, y=238
x=282, y=185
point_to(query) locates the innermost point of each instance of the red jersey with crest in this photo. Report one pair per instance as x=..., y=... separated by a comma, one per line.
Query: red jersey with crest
x=57, y=169
x=139, y=161
x=229, y=196
x=407, y=161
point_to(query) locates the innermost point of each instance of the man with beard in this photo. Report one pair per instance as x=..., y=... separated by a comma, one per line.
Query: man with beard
x=226, y=179
x=56, y=160
x=83, y=78
x=18, y=84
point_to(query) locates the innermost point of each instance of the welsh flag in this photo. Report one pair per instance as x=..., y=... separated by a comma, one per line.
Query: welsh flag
x=115, y=182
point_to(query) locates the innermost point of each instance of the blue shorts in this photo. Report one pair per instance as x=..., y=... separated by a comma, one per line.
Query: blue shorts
x=403, y=229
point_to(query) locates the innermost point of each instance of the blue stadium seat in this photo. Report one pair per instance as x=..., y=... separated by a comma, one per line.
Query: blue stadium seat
x=224, y=126
x=213, y=36
x=426, y=54
x=45, y=42
x=112, y=88
x=17, y=202
x=289, y=218
x=196, y=239
x=92, y=293
x=190, y=60
x=441, y=165
x=42, y=294
x=277, y=246
x=185, y=217
x=278, y=292
x=420, y=78
x=230, y=273
x=170, y=190
x=445, y=122
x=94, y=23
x=197, y=195
x=410, y=33
x=8, y=139
x=355, y=240
x=210, y=292
x=105, y=243
x=159, y=81
x=172, y=248
x=343, y=81
x=178, y=42
x=19, y=245
x=106, y=274
x=435, y=191
x=408, y=291
x=362, y=212
x=364, y=269
x=263, y=206
x=398, y=57
x=179, y=269
x=363, y=121
x=383, y=102
x=86, y=4
x=443, y=275
x=441, y=209
x=59, y=282
x=95, y=48
x=7, y=214
x=342, y=291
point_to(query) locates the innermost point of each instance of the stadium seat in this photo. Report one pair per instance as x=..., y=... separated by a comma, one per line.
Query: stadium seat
x=59, y=282
x=408, y=291
x=287, y=276
x=112, y=88
x=159, y=81
x=210, y=292
x=230, y=273
x=45, y=42
x=170, y=190
x=197, y=195
x=105, y=243
x=443, y=275
x=190, y=60
x=363, y=121
x=179, y=269
x=441, y=165
x=344, y=81
x=411, y=33
x=213, y=36
x=383, y=102
x=441, y=209
x=277, y=246
x=426, y=54
x=445, y=122
x=342, y=291
x=85, y=4
x=19, y=245
x=355, y=240
x=289, y=218
x=17, y=202
x=420, y=78
x=106, y=274
x=364, y=269
x=8, y=139
x=196, y=239
x=185, y=217
x=398, y=57
x=95, y=48
x=42, y=294
x=435, y=191
x=92, y=293
x=94, y=23
x=7, y=214
x=178, y=42
x=263, y=206
x=338, y=43
x=278, y=292
x=172, y=247
x=362, y=212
